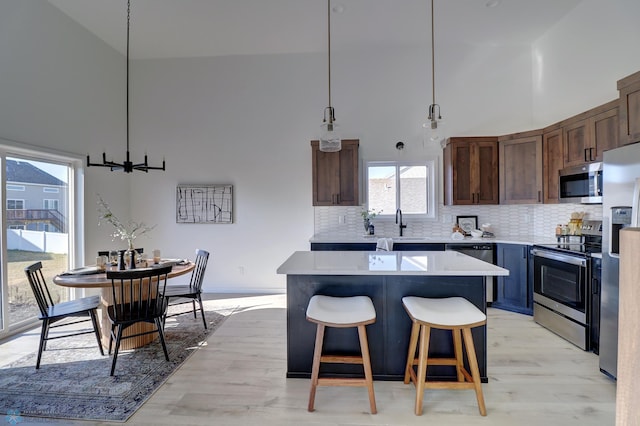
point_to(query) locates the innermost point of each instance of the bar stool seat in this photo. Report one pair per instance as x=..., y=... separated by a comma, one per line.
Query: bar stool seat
x=341, y=312
x=453, y=313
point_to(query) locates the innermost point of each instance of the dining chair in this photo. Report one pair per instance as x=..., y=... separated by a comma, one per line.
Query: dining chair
x=192, y=291
x=137, y=296
x=51, y=312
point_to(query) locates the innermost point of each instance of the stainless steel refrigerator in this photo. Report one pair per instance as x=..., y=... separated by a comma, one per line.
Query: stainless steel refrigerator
x=621, y=183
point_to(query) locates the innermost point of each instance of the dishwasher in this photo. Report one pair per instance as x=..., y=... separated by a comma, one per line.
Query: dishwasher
x=482, y=251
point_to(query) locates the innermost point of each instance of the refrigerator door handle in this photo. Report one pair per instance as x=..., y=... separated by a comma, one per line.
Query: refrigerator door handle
x=634, y=207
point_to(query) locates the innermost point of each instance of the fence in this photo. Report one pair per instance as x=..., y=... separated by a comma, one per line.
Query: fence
x=51, y=242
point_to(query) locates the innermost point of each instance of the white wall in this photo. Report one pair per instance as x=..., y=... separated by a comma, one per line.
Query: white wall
x=578, y=62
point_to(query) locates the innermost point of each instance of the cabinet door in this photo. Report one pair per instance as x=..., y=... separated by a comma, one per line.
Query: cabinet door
x=326, y=172
x=487, y=165
x=553, y=162
x=348, y=180
x=604, y=128
x=521, y=170
x=629, y=112
x=577, y=143
x=471, y=171
x=459, y=184
x=512, y=291
x=335, y=175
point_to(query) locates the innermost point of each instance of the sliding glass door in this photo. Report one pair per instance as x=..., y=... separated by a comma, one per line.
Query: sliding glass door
x=37, y=194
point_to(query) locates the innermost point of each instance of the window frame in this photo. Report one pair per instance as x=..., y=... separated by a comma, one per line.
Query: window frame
x=46, y=201
x=15, y=201
x=75, y=194
x=431, y=165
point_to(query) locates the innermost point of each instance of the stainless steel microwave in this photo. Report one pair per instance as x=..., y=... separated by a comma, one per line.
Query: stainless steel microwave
x=581, y=184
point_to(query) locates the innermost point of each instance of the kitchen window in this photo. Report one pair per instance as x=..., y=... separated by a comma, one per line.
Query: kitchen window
x=409, y=186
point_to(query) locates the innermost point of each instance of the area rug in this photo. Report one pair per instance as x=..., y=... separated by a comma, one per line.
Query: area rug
x=73, y=381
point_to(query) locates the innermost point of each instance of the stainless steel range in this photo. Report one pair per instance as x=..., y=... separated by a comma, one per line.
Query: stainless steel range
x=562, y=284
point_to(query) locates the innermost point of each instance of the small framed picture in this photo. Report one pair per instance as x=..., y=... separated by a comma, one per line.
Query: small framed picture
x=467, y=223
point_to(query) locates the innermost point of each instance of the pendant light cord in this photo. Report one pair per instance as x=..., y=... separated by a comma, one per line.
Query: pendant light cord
x=329, y=46
x=433, y=61
x=127, y=109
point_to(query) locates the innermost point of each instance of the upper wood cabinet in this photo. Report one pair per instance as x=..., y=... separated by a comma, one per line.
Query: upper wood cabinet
x=335, y=175
x=521, y=168
x=471, y=171
x=629, y=114
x=604, y=130
x=577, y=143
x=552, y=163
x=587, y=135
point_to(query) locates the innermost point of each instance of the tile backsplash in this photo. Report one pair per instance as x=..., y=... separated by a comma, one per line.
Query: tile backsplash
x=505, y=220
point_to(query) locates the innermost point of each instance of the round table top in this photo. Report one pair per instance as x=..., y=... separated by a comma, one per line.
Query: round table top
x=100, y=280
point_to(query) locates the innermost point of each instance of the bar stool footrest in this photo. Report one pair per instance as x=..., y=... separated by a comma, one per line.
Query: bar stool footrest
x=339, y=381
x=341, y=359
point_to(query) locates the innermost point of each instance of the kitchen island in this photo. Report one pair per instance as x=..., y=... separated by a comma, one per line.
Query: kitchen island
x=386, y=277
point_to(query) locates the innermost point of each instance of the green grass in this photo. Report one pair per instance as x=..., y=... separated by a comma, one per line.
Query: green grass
x=21, y=301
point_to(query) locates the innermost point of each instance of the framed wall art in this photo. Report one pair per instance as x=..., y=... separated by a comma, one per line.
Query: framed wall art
x=204, y=204
x=467, y=223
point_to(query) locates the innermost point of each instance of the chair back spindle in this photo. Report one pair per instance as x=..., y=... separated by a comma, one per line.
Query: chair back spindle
x=138, y=293
x=39, y=288
x=197, y=277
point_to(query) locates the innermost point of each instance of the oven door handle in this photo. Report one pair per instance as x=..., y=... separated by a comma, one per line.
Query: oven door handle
x=560, y=257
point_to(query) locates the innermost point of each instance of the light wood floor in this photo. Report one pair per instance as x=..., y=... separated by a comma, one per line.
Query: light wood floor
x=238, y=378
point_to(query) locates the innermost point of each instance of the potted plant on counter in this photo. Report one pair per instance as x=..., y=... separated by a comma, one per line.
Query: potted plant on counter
x=367, y=215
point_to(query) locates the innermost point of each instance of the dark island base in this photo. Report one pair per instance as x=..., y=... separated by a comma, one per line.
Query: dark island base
x=389, y=335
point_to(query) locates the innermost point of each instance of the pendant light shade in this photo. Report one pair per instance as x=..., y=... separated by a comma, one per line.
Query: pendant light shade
x=434, y=128
x=127, y=165
x=330, y=139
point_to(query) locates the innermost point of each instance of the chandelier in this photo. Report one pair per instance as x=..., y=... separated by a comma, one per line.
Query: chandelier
x=330, y=138
x=127, y=166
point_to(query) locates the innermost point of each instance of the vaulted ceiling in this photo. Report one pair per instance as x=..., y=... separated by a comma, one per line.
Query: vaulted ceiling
x=192, y=28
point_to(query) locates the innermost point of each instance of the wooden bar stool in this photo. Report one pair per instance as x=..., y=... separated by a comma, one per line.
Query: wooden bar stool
x=453, y=313
x=342, y=312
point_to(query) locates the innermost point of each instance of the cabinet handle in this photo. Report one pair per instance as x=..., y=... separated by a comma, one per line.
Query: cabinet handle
x=473, y=198
x=585, y=154
x=539, y=196
x=477, y=198
x=591, y=154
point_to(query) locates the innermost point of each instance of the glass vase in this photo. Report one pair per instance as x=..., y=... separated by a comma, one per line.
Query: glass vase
x=130, y=256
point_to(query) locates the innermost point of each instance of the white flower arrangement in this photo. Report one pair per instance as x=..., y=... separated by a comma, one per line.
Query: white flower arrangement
x=369, y=214
x=125, y=231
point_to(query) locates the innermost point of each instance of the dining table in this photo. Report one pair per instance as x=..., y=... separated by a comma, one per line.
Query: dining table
x=90, y=277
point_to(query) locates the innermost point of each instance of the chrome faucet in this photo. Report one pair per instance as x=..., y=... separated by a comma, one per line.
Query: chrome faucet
x=399, y=222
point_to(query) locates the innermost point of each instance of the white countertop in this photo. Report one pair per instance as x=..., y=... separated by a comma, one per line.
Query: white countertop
x=433, y=239
x=435, y=263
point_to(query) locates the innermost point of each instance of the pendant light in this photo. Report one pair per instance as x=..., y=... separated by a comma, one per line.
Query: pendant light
x=127, y=166
x=330, y=138
x=434, y=128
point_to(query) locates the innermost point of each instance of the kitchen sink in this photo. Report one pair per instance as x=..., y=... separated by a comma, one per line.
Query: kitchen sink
x=413, y=239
